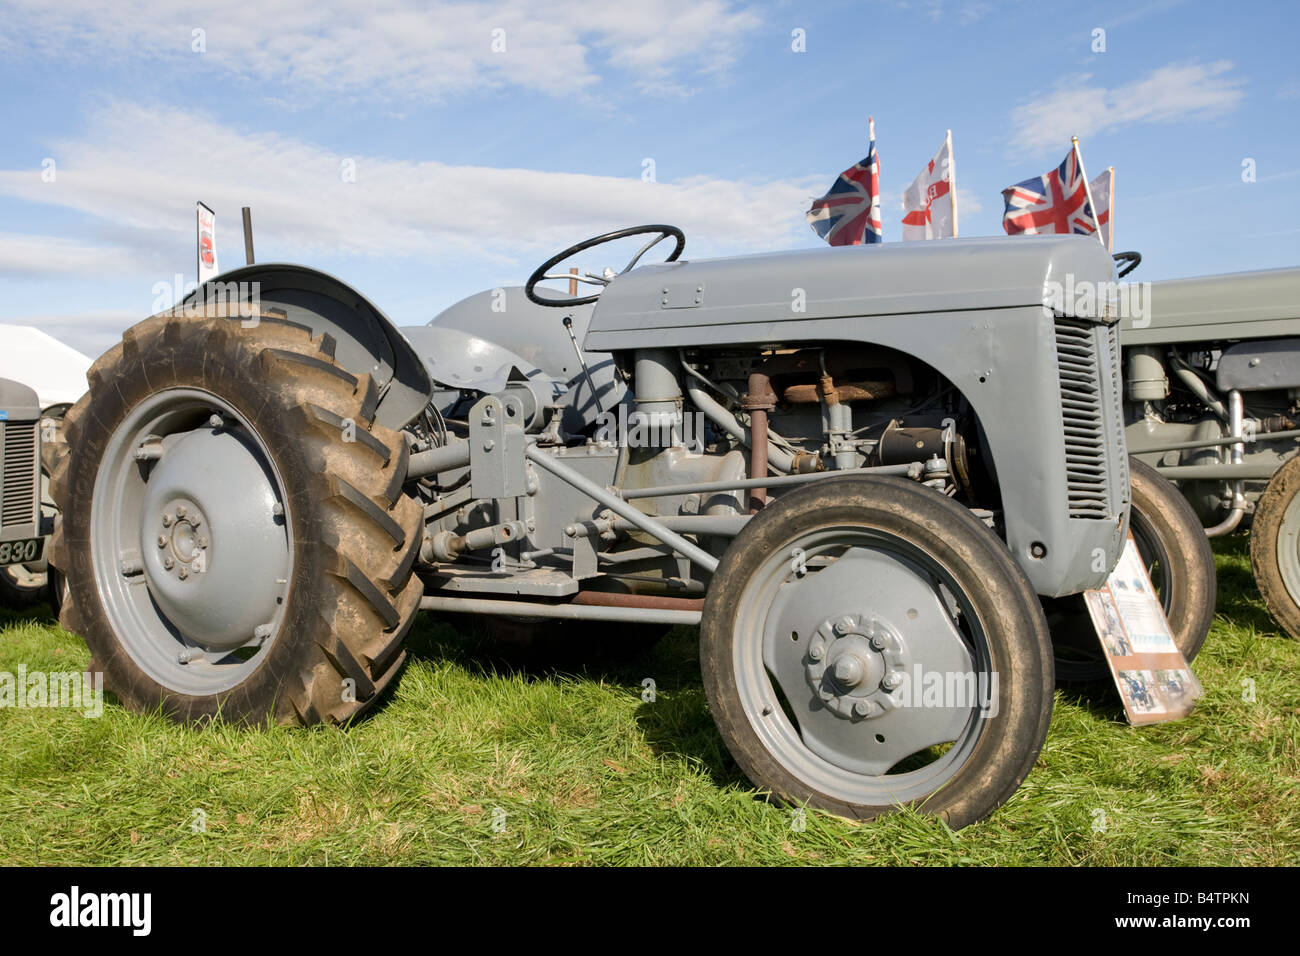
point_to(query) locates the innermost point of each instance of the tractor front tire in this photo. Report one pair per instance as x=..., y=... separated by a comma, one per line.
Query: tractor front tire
x=1275, y=546
x=235, y=537
x=826, y=627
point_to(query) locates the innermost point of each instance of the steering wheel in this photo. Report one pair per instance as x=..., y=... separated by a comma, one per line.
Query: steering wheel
x=662, y=232
x=1131, y=261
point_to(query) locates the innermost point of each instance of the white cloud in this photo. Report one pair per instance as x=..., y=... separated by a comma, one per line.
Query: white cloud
x=395, y=47
x=968, y=202
x=33, y=255
x=1172, y=92
x=138, y=170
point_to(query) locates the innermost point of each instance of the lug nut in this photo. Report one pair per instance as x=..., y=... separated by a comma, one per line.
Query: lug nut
x=878, y=643
x=816, y=652
x=202, y=543
x=196, y=520
x=892, y=680
x=215, y=421
x=168, y=563
x=862, y=708
x=162, y=540
x=167, y=519
x=183, y=573
x=180, y=511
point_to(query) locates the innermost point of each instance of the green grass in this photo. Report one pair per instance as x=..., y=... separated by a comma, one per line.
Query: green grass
x=586, y=772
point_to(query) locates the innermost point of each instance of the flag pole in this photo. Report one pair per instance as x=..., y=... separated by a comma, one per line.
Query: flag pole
x=1087, y=190
x=1110, y=225
x=952, y=183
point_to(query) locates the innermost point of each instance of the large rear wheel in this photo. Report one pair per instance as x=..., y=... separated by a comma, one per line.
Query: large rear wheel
x=868, y=644
x=234, y=533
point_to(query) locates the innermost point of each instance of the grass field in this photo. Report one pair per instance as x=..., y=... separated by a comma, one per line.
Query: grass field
x=471, y=765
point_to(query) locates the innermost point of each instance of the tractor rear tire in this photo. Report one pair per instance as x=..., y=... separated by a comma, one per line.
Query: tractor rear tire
x=296, y=518
x=1275, y=547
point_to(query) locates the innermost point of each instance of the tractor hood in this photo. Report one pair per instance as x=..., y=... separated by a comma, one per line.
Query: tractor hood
x=890, y=279
x=1240, y=305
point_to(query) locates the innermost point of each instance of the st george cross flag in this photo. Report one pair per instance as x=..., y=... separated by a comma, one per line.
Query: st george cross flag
x=930, y=203
x=1103, y=190
x=1054, y=202
x=849, y=214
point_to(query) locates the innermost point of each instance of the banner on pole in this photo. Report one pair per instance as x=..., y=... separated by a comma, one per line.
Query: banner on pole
x=207, y=243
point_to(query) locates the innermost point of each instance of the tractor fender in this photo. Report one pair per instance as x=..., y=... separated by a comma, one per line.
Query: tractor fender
x=367, y=342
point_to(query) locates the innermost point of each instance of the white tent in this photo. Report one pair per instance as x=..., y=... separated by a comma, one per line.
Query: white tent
x=56, y=371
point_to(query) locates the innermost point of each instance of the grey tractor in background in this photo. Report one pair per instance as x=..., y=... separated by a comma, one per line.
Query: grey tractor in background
x=26, y=514
x=855, y=469
x=1212, y=402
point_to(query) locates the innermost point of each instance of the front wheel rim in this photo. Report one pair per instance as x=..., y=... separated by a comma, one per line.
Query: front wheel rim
x=1288, y=549
x=814, y=663
x=191, y=541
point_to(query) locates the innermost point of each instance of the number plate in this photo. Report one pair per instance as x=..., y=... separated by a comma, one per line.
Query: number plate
x=22, y=551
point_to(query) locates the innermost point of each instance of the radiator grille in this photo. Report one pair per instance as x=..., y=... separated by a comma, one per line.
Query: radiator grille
x=1082, y=408
x=19, y=501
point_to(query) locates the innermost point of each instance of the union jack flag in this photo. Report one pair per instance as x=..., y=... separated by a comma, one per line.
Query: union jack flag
x=849, y=213
x=1056, y=202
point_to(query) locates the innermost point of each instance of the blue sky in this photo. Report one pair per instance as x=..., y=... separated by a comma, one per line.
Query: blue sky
x=474, y=164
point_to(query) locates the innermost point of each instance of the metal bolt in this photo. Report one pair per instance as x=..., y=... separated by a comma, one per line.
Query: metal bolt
x=202, y=543
x=263, y=631
x=862, y=708
x=180, y=511
x=848, y=669
x=162, y=540
x=816, y=652
x=196, y=520
x=843, y=626
x=167, y=519
x=892, y=680
x=489, y=444
x=168, y=563
x=215, y=421
x=183, y=573
x=184, y=655
x=878, y=642
x=277, y=509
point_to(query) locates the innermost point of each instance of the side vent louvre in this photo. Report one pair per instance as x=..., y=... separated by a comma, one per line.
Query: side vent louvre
x=1082, y=411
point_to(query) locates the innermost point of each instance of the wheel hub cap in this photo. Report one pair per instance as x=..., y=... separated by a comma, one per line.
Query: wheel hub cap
x=853, y=664
x=215, y=553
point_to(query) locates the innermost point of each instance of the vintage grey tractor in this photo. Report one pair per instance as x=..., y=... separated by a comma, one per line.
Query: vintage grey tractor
x=858, y=470
x=1212, y=402
x=25, y=524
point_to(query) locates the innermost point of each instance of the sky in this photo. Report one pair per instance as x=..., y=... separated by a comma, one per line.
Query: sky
x=424, y=151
